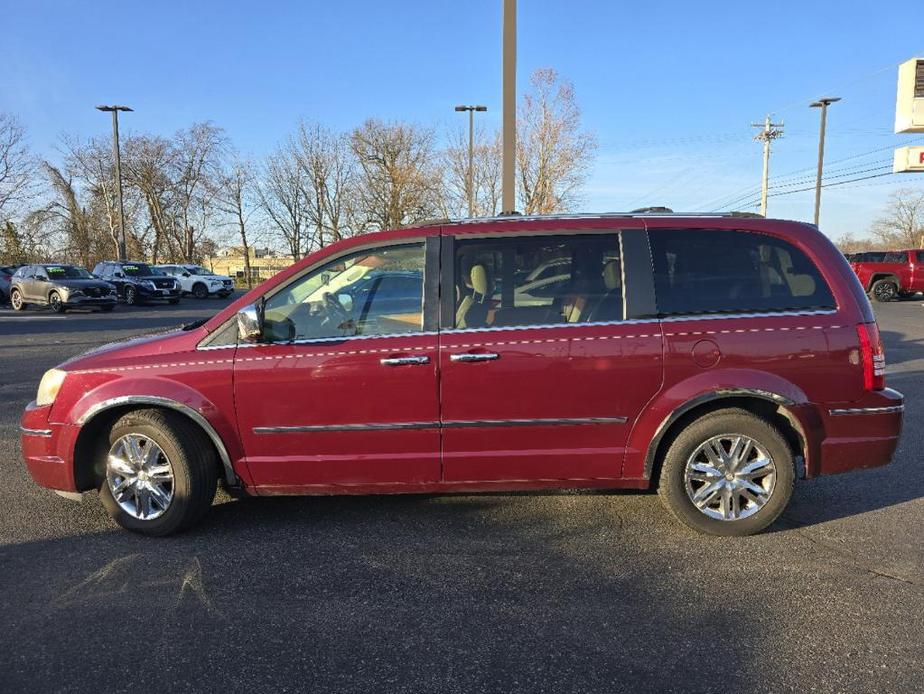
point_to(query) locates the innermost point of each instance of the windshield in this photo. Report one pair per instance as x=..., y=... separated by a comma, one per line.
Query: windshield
x=139, y=270
x=197, y=270
x=66, y=272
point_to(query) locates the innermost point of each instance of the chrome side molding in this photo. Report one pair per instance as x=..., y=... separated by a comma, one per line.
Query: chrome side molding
x=450, y=424
x=890, y=409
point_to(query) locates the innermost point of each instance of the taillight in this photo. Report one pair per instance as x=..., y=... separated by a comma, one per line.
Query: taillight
x=871, y=356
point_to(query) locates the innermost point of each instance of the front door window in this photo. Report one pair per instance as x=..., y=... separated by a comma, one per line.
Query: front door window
x=371, y=292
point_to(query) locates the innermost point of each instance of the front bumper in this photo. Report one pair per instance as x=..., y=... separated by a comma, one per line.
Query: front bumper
x=85, y=301
x=46, y=449
x=861, y=435
x=164, y=294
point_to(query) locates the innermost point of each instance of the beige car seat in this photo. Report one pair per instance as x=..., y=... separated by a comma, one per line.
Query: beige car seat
x=473, y=309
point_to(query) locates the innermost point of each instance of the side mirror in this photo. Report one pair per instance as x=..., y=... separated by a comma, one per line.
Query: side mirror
x=118, y=274
x=41, y=278
x=249, y=324
x=185, y=274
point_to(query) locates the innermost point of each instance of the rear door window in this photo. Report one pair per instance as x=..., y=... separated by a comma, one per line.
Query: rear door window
x=724, y=271
x=538, y=280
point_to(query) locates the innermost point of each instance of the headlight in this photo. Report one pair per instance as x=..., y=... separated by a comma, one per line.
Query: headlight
x=74, y=292
x=148, y=283
x=49, y=387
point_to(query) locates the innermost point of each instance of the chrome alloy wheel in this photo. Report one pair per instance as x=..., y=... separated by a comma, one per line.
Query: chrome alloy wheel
x=730, y=477
x=140, y=477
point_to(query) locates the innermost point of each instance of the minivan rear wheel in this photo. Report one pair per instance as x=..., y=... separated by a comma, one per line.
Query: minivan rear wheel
x=727, y=473
x=159, y=473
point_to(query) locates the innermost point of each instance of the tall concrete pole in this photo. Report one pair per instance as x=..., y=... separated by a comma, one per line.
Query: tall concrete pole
x=823, y=105
x=508, y=178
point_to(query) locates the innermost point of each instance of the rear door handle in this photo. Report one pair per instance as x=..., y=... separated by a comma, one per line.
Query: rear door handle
x=404, y=361
x=485, y=356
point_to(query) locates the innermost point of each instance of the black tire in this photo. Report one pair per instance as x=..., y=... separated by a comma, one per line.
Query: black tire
x=884, y=290
x=195, y=471
x=54, y=300
x=200, y=291
x=16, y=301
x=131, y=296
x=672, y=487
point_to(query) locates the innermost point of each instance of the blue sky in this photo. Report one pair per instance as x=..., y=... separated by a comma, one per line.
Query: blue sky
x=669, y=87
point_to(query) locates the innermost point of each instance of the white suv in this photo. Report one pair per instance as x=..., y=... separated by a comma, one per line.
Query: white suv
x=199, y=281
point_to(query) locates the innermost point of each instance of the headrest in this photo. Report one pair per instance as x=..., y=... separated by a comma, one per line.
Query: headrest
x=801, y=285
x=480, y=279
x=612, y=274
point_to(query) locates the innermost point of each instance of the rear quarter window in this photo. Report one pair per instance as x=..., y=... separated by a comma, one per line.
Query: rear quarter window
x=724, y=271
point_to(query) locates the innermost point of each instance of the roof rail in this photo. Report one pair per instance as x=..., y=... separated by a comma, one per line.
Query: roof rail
x=643, y=212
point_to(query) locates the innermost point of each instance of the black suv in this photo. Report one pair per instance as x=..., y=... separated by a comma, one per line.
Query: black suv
x=61, y=287
x=138, y=283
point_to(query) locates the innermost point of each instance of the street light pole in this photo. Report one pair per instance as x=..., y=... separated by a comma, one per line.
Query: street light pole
x=469, y=175
x=118, y=172
x=823, y=105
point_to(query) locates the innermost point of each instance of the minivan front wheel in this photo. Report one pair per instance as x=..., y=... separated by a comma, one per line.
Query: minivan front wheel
x=159, y=473
x=727, y=473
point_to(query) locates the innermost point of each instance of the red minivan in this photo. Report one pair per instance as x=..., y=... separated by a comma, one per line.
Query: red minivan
x=714, y=357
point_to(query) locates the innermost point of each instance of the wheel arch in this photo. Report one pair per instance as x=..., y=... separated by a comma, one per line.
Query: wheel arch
x=876, y=276
x=95, y=419
x=785, y=413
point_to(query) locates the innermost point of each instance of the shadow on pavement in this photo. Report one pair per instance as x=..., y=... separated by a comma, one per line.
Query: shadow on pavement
x=368, y=594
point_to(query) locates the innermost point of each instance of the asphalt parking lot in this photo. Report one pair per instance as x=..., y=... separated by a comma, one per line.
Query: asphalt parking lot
x=561, y=592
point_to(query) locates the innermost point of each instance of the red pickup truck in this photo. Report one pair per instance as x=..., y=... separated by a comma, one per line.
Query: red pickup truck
x=887, y=275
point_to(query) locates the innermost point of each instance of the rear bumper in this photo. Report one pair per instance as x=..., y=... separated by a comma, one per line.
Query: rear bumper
x=863, y=434
x=45, y=449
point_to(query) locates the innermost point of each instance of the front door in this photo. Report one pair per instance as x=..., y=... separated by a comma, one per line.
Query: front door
x=342, y=392
x=542, y=376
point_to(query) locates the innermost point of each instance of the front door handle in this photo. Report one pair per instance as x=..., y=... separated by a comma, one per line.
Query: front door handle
x=485, y=356
x=404, y=361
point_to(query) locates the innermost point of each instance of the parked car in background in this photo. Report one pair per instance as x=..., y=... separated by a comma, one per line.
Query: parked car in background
x=138, y=283
x=199, y=281
x=715, y=358
x=60, y=287
x=6, y=278
x=888, y=275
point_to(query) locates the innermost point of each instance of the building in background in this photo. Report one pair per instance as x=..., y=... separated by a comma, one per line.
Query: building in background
x=264, y=263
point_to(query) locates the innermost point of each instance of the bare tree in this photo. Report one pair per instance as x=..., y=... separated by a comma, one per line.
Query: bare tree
x=91, y=164
x=64, y=214
x=284, y=198
x=146, y=162
x=328, y=166
x=902, y=225
x=553, y=152
x=486, y=175
x=397, y=181
x=17, y=167
x=235, y=193
x=195, y=171
x=848, y=243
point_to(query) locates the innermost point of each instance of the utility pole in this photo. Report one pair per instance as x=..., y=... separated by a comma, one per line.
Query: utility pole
x=508, y=178
x=823, y=105
x=469, y=175
x=770, y=132
x=118, y=172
